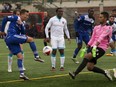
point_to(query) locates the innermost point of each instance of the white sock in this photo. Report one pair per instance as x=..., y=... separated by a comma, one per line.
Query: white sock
x=10, y=61
x=53, y=61
x=62, y=60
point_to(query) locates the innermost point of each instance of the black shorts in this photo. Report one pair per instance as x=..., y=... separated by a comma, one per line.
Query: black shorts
x=99, y=53
x=45, y=34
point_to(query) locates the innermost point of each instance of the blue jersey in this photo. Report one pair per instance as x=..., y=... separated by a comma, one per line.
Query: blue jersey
x=15, y=33
x=14, y=27
x=83, y=23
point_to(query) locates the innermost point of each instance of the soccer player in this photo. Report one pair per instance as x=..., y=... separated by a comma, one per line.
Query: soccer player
x=15, y=12
x=114, y=13
x=57, y=25
x=16, y=36
x=112, y=23
x=83, y=28
x=98, y=44
x=46, y=19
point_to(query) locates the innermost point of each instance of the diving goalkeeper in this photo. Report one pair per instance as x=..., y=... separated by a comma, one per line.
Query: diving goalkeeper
x=98, y=45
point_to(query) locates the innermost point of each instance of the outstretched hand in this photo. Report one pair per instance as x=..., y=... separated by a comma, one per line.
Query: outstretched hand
x=69, y=40
x=83, y=51
x=94, y=51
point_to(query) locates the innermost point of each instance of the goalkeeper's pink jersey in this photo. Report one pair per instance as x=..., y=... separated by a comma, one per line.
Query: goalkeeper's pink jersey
x=101, y=34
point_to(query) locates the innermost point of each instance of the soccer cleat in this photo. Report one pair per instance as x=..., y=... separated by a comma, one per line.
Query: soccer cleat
x=53, y=69
x=109, y=54
x=39, y=59
x=9, y=69
x=72, y=75
x=61, y=68
x=22, y=76
x=107, y=74
x=114, y=70
x=75, y=60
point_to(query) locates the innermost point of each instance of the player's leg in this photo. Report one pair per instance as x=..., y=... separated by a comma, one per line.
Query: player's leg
x=53, y=55
x=79, y=46
x=61, y=46
x=16, y=50
x=23, y=55
x=91, y=64
x=10, y=59
x=44, y=41
x=112, y=46
x=34, y=49
x=20, y=66
x=83, y=64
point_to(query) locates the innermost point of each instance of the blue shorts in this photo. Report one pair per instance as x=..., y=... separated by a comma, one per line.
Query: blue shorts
x=114, y=37
x=82, y=36
x=13, y=42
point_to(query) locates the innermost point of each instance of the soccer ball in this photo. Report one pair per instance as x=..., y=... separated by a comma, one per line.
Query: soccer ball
x=47, y=50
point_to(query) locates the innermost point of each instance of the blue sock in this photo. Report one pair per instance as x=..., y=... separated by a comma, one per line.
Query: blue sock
x=75, y=52
x=20, y=66
x=61, y=55
x=33, y=48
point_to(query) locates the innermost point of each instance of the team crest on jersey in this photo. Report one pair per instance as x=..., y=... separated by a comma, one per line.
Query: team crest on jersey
x=62, y=22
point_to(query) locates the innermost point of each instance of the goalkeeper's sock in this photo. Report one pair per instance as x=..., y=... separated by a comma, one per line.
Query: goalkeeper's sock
x=82, y=66
x=98, y=70
x=34, y=49
x=76, y=52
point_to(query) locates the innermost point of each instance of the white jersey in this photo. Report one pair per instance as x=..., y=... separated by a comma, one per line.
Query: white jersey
x=113, y=27
x=57, y=27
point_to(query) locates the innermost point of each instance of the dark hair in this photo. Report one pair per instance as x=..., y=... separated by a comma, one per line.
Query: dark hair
x=22, y=11
x=15, y=11
x=58, y=9
x=105, y=14
x=90, y=9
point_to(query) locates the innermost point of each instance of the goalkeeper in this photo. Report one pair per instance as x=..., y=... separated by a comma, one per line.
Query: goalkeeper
x=98, y=45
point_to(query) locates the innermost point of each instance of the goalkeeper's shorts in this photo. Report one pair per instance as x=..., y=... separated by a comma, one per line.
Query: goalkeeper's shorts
x=99, y=53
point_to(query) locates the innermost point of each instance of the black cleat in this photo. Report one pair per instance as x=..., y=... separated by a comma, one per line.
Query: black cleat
x=61, y=68
x=39, y=59
x=53, y=69
x=72, y=74
x=22, y=76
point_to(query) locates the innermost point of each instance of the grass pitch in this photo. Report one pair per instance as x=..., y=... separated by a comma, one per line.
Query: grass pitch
x=41, y=76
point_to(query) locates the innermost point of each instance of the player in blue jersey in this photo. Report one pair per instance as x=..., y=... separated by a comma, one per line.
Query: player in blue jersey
x=10, y=55
x=16, y=36
x=83, y=28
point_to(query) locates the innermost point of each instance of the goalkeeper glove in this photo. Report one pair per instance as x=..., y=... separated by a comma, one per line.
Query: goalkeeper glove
x=94, y=51
x=83, y=51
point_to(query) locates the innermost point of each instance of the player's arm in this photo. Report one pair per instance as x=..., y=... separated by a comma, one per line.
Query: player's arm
x=67, y=32
x=92, y=37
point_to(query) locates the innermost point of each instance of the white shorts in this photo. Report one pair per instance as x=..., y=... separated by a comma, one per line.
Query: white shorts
x=58, y=43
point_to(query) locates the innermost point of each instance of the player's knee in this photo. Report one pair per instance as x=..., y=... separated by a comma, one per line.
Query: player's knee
x=79, y=46
x=54, y=52
x=30, y=39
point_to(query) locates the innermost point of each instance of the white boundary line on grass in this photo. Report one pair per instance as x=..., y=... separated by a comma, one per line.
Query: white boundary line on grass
x=45, y=77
